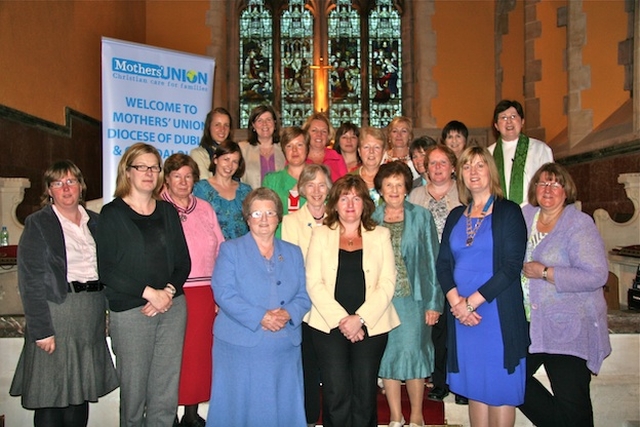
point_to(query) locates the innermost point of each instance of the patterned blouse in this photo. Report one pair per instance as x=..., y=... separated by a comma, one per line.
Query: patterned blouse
x=229, y=212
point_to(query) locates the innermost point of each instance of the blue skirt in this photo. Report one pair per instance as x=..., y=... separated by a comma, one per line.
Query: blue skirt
x=261, y=385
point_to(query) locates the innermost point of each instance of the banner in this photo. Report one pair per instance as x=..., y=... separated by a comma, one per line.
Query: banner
x=152, y=95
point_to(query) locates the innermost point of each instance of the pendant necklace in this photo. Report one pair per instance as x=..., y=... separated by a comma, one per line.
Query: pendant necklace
x=471, y=231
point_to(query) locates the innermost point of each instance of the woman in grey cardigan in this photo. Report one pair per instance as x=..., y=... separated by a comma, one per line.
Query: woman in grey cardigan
x=564, y=271
x=65, y=362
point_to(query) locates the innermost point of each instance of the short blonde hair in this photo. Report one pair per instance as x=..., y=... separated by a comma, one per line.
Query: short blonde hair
x=323, y=118
x=123, y=185
x=309, y=173
x=395, y=122
x=466, y=157
x=375, y=133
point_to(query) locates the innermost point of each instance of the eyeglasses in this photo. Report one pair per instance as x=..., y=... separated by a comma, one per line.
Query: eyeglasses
x=508, y=117
x=145, y=168
x=258, y=214
x=553, y=185
x=68, y=182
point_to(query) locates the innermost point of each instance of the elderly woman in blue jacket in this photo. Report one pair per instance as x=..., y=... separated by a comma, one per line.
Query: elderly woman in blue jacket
x=259, y=284
x=418, y=298
x=564, y=271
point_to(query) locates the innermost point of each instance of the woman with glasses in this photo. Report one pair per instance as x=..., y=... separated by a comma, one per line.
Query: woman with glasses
x=261, y=151
x=478, y=267
x=517, y=156
x=65, y=362
x=562, y=278
x=224, y=191
x=144, y=262
x=204, y=237
x=259, y=286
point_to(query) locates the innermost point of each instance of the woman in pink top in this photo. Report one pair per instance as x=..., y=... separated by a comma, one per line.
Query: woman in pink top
x=320, y=133
x=204, y=237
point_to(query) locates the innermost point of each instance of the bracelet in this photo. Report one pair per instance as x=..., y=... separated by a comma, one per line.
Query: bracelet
x=171, y=289
x=470, y=308
x=544, y=273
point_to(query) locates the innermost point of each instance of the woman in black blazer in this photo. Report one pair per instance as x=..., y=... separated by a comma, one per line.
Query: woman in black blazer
x=65, y=362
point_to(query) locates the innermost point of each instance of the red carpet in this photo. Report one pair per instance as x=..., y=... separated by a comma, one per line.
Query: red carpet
x=433, y=411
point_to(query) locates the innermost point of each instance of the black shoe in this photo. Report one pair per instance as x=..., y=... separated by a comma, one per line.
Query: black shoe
x=438, y=394
x=198, y=422
x=461, y=400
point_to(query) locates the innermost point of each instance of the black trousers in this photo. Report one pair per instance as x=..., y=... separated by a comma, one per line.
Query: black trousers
x=349, y=378
x=70, y=416
x=439, y=339
x=570, y=403
x=311, y=370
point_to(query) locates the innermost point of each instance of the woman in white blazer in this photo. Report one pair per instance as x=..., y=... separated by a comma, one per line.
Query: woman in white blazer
x=351, y=281
x=314, y=185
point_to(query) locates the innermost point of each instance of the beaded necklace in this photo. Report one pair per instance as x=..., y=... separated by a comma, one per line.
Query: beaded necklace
x=471, y=231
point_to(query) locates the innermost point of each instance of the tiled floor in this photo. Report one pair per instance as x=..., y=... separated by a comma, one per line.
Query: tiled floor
x=615, y=392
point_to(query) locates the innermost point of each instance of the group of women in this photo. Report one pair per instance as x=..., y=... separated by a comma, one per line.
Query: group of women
x=383, y=242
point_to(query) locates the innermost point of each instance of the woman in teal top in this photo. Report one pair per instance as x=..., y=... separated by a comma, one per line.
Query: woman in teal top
x=224, y=191
x=295, y=145
x=418, y=299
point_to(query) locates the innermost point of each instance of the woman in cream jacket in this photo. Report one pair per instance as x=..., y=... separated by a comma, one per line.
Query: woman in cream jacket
x=351, y=281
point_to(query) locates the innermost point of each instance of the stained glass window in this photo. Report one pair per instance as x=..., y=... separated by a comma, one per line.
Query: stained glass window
x=385, y=59
x=256, y=58
x=296, y=51
x=345, y=80
x=375, y=99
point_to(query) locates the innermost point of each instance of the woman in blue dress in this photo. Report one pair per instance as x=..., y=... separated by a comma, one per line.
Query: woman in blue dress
x=224, y=190
x=409, y=355
x=479, y=263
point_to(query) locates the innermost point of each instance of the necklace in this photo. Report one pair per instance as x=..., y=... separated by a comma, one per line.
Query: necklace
x=551, y=221
x=319, y=218
x=471, y=231
x=349, y=239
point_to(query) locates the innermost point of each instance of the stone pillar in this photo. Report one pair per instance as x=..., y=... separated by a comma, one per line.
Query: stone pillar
x=223, y=31
x=11, y=195
x=580, y=121
x=501, y=27
x=636, y=70
x=423, y=51
x=532, y=71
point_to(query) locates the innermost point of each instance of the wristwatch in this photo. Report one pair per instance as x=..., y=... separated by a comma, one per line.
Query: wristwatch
x=544, y=273
x=470, y=308
x=169, y=288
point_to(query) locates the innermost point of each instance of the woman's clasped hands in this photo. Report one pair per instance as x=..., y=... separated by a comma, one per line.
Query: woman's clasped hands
x=351, y=328
x=461, y=312
x=275, y=319
x=158, y=301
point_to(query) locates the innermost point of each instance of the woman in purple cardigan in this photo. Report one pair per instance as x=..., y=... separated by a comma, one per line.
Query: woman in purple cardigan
x=564, y=271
